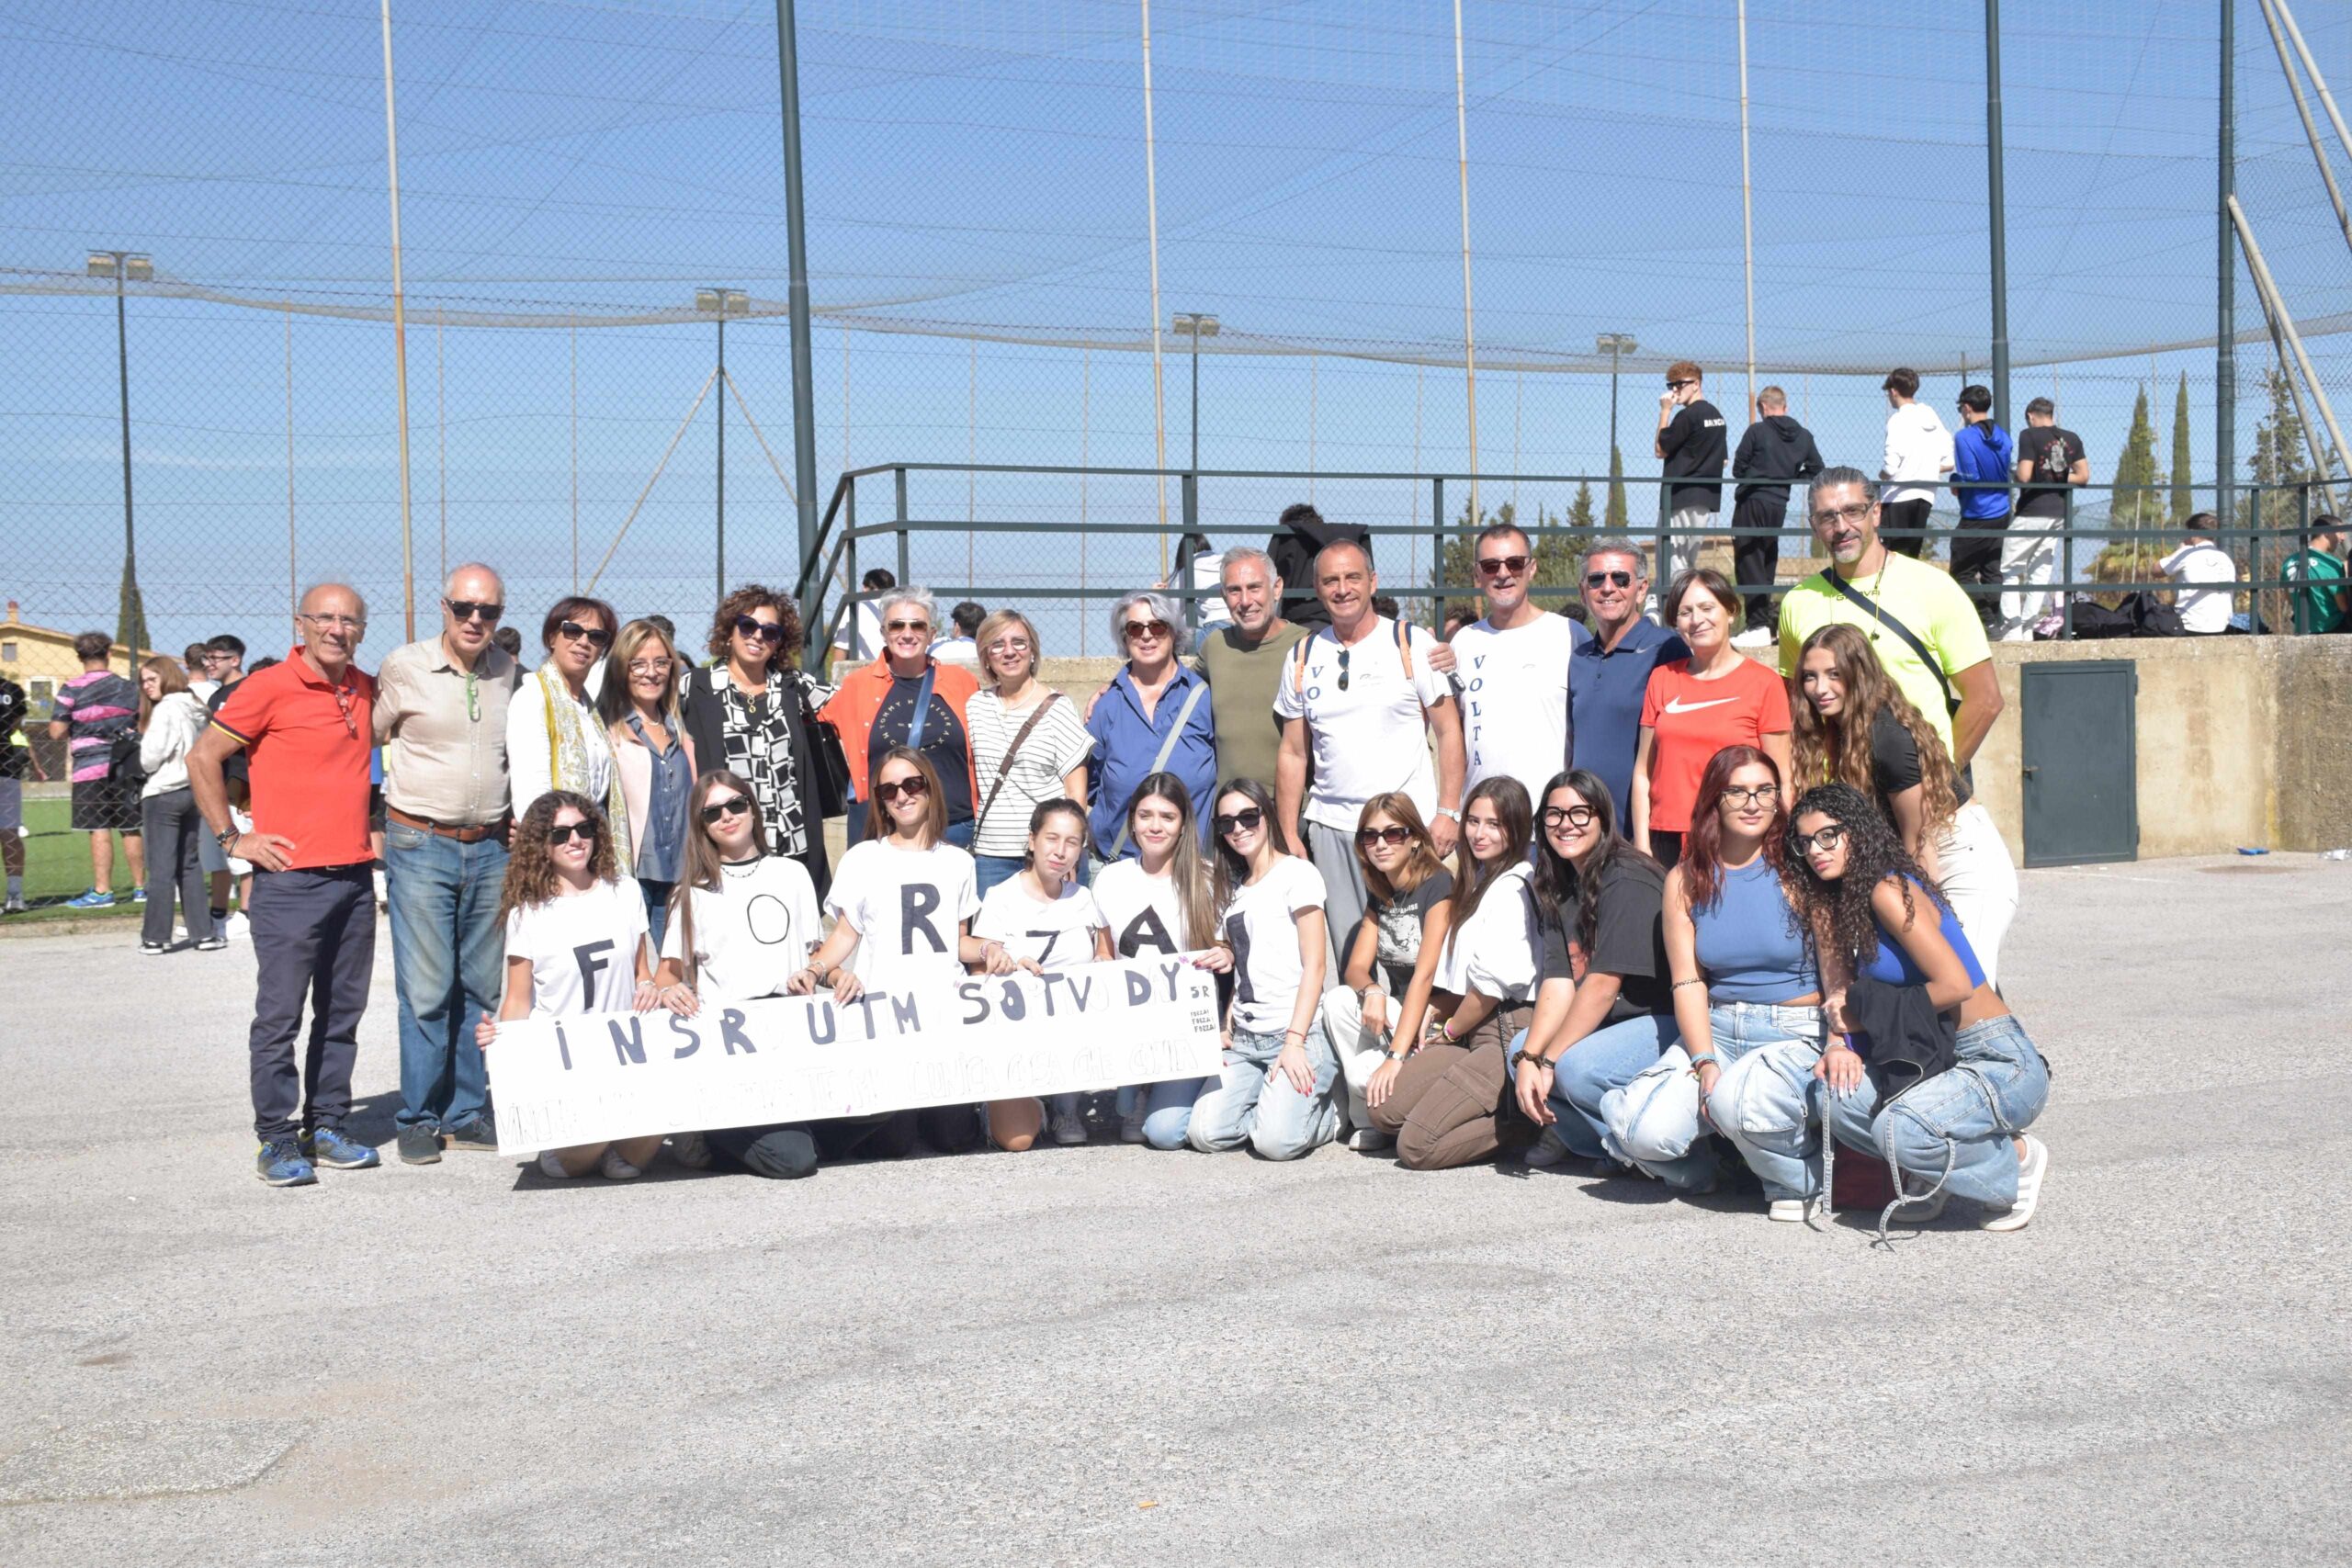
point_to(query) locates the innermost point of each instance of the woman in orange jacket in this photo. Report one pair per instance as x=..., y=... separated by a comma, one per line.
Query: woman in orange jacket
x=907, y=698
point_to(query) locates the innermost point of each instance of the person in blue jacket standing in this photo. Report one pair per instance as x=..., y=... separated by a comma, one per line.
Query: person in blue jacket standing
x=1981, y=453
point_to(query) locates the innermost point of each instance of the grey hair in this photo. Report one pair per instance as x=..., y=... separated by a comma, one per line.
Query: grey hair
x=1617, y=545
x=1161, y=605
x=1844, y=474
x=1242, y=553
x=918, y=597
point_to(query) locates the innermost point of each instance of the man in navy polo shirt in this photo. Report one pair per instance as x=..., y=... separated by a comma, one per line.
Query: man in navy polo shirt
x=1608, y=675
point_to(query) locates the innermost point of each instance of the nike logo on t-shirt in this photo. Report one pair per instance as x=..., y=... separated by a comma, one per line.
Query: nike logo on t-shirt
x=1676, y=704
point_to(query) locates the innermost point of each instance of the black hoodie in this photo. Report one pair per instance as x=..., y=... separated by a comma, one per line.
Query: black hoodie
x=1294, y=549
x=1775, y=448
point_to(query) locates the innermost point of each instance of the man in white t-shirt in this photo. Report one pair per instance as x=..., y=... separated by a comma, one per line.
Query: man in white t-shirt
x=1359, y=698
x=2203, y=611
x=1511, y=670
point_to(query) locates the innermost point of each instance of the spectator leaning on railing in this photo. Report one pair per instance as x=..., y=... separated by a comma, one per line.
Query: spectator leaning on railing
x=2321, y=607
x=2051, y=460
x=1982, y=454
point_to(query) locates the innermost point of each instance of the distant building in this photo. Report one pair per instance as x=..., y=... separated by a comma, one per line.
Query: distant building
x=40, y=659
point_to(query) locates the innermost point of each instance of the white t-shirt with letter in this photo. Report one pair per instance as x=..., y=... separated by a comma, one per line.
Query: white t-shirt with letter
x=582, y=948
x=905, y=906
x=1141, y=909
x=754, y=933
x=1060, y=935
x=1514, y=690
x=1369, y=736
x=1258, y=924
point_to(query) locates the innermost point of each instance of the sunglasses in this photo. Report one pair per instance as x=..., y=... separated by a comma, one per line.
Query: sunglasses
x=1678, y=385
x=343, y=697
x=1392, y=834
x=564, y=832
x=1498, y=565
x=913, y=789
x=1574, y=816
x=733, y=805
x=1248, y=821
x=1154, y=628
x=1343, y=670
x=908, y=626
x=766, y=631
x=595, y=637
x=475, y=610
x=1824, y=839
x=1614, y=579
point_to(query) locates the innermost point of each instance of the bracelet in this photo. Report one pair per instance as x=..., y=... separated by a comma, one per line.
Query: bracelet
x=228, y=836
x=1707, y=1059
x=1680, y=984
x=1530, y=1059
x=1446, y=1027
x=1398, y=1055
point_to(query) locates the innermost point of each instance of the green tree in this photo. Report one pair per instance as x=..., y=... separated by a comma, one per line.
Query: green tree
x=1559, y=553
x=1615, y=521
x=2138, y=480
x=2184, y=497
x=2280, y=453
x=1579, y=517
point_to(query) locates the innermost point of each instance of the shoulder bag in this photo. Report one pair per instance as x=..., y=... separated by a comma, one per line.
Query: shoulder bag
x=1167, y=749
x=1004, y=768
x=1910, y=638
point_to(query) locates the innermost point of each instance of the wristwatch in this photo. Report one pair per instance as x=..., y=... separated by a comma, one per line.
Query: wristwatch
x=1453, y=811
x=226, y=836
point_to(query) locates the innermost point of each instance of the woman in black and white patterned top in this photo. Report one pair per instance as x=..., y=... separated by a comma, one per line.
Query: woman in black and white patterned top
x=747, y=713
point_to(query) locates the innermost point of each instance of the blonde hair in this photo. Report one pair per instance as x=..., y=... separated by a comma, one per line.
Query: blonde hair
x=635, y=636
x=996, y=623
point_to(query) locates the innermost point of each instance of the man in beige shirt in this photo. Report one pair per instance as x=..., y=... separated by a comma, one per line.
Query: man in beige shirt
x=441, y=719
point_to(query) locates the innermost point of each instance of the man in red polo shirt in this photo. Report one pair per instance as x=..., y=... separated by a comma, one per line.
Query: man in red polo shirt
x=307, y=725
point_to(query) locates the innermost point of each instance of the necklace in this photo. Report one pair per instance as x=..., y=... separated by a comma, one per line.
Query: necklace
x=729, y=867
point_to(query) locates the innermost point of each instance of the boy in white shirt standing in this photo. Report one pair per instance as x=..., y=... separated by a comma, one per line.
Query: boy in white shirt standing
x=1919, y=455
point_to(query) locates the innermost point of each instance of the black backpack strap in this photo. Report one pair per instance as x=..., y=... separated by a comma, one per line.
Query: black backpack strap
x=1935, y=667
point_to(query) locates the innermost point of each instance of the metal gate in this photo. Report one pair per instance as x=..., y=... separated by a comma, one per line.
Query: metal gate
x=2082, y=800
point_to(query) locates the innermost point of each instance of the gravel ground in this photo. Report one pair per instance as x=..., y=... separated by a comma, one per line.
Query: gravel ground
x=1105, y=1355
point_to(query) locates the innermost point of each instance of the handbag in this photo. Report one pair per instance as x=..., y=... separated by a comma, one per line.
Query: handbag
x=828, y=763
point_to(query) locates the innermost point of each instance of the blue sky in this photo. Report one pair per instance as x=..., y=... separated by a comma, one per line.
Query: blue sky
x=976, y=166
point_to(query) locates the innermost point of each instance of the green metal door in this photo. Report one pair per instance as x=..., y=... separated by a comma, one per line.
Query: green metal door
x=2081, y=801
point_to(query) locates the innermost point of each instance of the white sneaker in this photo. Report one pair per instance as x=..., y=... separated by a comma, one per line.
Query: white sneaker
x=691, y=1150
x=1755, y=638
x=236, y=928
x=612, y=1168
x=1367, y=1140
x=552, y=1168
x=1069, y=1128
x=1131, y=1124
x=1788, y=1211
x=14, y=907
x=2030, y=1175
x=1548, y=1150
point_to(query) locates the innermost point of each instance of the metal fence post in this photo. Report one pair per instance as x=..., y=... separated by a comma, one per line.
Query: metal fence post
x=2254, y=555
x=2066, y=563
x=906, y=570
x=1662, y=569
x=1437, y=551
x=1191, y=502
x=2299, y=604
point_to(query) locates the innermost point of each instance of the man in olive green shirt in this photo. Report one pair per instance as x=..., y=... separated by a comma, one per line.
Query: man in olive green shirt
x=1243, y=665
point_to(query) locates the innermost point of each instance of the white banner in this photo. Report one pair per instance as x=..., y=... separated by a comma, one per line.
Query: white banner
x=591, y=1078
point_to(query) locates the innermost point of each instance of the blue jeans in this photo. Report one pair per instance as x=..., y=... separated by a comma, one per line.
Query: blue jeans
x=449, y=958
x=960, y=833
x=1762, y=1101
x=1607, y=1058
x=1244, y=1106
x=1963, y=1118
x=989, y=870
x=657, y=909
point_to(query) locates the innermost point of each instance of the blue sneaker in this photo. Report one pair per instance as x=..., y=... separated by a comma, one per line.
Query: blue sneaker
x=280, y=1164
x=138, y=894
x=92, y=899
x=329, y=1147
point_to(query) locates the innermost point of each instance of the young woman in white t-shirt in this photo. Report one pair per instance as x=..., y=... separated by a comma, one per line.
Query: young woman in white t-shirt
x=740, y=922
x=1275, y=1091
x=1373, y=1016
x=1160, y=902
x=902, y=904
x=1045, y=920
x=575, y=943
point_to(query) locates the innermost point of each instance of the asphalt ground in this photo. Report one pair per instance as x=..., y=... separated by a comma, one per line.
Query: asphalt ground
x=1107, y=1354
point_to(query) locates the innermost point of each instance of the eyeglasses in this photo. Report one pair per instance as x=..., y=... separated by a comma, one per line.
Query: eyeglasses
x=1498, y=565
x=1824, y=839
x=332, y=622
x=474, y=610
x=908, y=626
x=1247, y=820
x=1392, y=834
x=914, y=789
x=1761, y=795
x=766, y=631
x=1574, y=816
x=1612, y=579
x=733, y=805
x=595, y=637
x=344, y=698
x=564, y=832
x=1009, y=645
x=649, y=667
x=1859, y=513
x=1154, y=628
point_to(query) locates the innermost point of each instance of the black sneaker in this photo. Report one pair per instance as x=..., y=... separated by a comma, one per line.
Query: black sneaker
x=478, y=1133
x=419, y=1145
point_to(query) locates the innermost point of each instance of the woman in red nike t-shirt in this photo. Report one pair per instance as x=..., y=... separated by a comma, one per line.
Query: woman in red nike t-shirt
x=1694, y=707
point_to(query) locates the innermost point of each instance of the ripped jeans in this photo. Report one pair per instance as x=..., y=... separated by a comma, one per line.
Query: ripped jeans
x=1960, y=1122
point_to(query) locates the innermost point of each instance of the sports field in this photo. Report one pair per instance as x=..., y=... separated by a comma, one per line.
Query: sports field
x=57, y=863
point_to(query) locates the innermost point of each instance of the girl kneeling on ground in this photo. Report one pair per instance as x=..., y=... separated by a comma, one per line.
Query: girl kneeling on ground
x=1391, y=959
x=1873, y=916
x=742, y=921
x=1274, y=1093
x=1044, y=921
x=575, y=943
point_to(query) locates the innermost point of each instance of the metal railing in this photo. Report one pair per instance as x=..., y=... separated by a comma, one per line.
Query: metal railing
x=2268, y=524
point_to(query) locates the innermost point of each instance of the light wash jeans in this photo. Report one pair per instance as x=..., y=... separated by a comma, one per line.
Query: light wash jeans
x=1605, y=1060
x=1248, y=1106
x=449, y=958
x=1761, y=1103
x=1963, y=1118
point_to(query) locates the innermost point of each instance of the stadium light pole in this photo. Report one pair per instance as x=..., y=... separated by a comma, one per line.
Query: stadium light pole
x=2225, y=356
x=1614, y=344
x=1196, y=326
x=722, y=303
x=796, y=229
x=123, y=266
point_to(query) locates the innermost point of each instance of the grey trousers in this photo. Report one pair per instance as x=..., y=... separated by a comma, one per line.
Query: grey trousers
x=1334, y=854
x=174, y=830
x=314, y=938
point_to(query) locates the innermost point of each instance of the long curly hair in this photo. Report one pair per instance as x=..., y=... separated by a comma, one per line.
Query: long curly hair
x=1564, y=898
x=1517, y=818
x=754, y=596
x=1838, y=916
x=1838, y=751
x=1703, y=848
x=531, y=878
